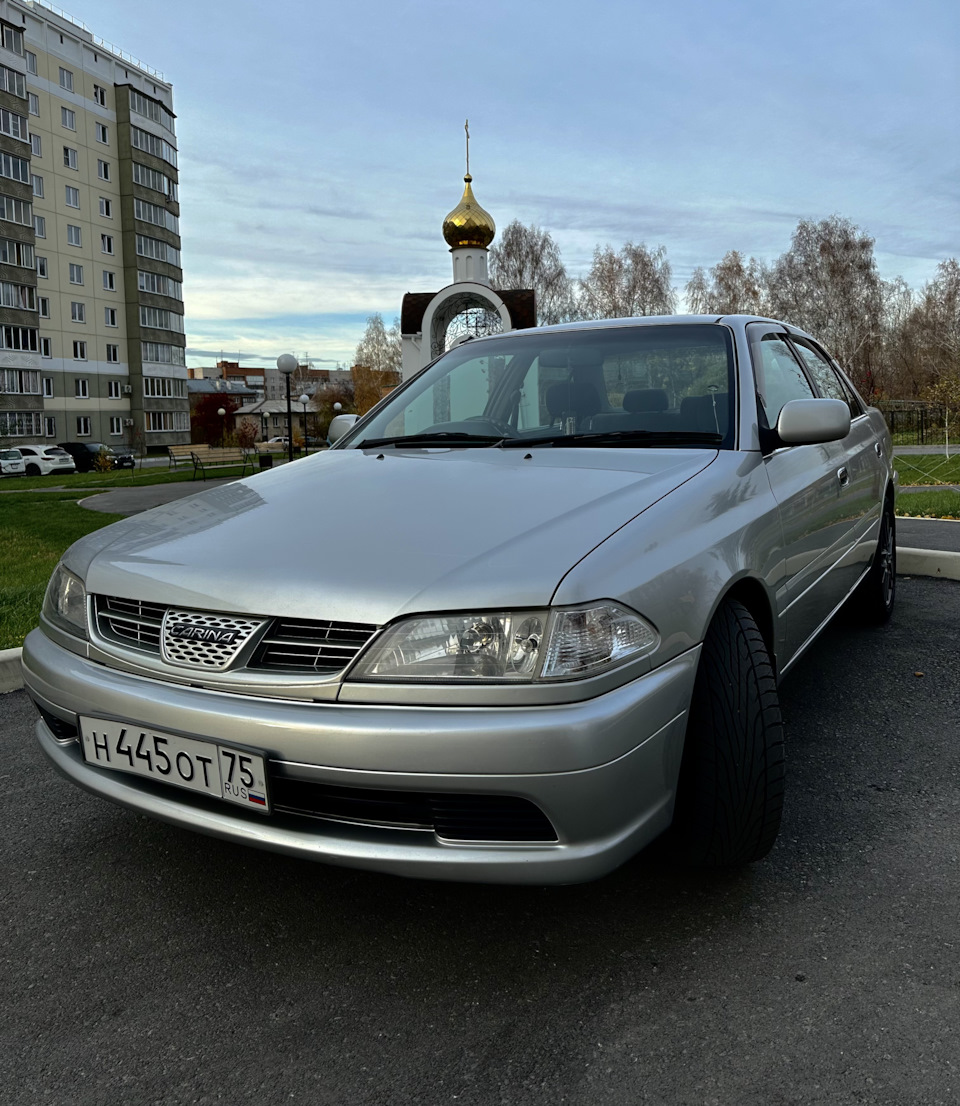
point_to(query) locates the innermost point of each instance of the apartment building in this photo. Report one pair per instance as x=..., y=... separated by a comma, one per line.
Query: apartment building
x=91, y=301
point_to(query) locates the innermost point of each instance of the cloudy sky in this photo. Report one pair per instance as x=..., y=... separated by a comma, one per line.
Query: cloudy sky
x=321, y=144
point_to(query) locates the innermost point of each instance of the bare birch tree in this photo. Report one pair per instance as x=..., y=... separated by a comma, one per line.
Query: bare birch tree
x=827, y=283
x=379, y=348
x=528, y=257
x=633, y=281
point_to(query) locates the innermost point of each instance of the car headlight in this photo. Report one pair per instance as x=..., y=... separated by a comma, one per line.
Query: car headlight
x=514, y=646
x=65, y=602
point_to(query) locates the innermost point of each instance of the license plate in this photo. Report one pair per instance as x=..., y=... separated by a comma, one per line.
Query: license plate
x=236, y=775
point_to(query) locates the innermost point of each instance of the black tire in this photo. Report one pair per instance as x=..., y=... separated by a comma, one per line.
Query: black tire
x=875, y=598
x=33, y=470
x=730, y=794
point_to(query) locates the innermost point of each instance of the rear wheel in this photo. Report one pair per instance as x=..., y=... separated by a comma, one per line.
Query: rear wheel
x=33, y=470
x=730, y=794
x=878, y=591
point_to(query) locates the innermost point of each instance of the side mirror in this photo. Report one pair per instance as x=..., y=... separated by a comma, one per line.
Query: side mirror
x=808, y=421
x=339, y=425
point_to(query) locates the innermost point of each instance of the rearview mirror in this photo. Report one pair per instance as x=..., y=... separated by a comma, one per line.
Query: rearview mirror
x=809, y=421
x=339, y=425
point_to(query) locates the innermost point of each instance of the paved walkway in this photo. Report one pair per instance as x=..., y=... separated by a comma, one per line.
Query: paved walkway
x=131, y=501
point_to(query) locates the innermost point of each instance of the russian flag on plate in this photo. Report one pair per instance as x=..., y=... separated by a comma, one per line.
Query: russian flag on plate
x=260, y=800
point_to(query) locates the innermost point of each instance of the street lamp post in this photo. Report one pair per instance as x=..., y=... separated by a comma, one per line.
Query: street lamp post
x=222, y=412
x=305, y=399
x=287, y=364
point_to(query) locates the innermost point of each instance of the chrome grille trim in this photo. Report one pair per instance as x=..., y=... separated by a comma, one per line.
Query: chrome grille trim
x=315, y=645
x=291, y=645
x=201, y=651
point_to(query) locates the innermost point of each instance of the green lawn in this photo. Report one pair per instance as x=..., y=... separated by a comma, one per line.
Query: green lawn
x=927, y=468
x=36, y=530
x=945, y=504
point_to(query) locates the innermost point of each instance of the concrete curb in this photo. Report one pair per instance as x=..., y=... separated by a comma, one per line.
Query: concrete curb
x=910, y=562
x=10, y=677
x=928, y=562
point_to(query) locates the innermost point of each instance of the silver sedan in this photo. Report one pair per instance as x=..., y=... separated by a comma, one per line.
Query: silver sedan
x=530, y=613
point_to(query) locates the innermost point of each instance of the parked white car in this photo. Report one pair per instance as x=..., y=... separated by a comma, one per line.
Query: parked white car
x=44, y=460
x=11, y=462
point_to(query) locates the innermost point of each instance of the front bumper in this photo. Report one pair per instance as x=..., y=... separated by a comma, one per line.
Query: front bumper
x=603, y=771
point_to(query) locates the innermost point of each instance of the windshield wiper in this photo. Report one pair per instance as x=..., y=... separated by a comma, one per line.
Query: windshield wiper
x=619, y=437
x=441, y=437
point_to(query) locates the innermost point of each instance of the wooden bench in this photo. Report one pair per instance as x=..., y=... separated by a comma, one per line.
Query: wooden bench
x=216, y=457
x=179, y=453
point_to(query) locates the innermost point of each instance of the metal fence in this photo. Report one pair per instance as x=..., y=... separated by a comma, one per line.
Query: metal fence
x=917, y=423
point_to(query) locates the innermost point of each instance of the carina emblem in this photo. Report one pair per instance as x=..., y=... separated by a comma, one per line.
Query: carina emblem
x=184, y=631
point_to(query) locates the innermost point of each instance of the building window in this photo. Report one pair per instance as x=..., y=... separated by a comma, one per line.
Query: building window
x=106, y=243
x=14, y=125
x=66, y=79
x=79, y=351
x=162, y=285
x=76, y=274
x=83, y=426
x=151, y=178
x=72, y=195
x=109, y=316
x=46, y=349
x=74, y=235
x=48, y=387
x=163, y=387
x=31, y=58
x=16, y=168
x=161, y=319
x=157, y=249
x=42, y=267
x=12, y=81
x=116, y=425
x=100, y=95
x=109, y=280
x=113, y=354
x=113, y=389
x=168, y=420
x=70, y=159
x=103, y=170
x=68, y=119
x=162, y=354
x=19, y=424
x=36, y=145
x=23, y=338
x=81, y=386
x=102, y=133
x=78, y=312
x=49, y=426
x=12, y=39
x=40, y=226
x=24, y=382
x=33, y=103
x=16, y=211
x=37, y=183
x=43, y=303
x=106, y=207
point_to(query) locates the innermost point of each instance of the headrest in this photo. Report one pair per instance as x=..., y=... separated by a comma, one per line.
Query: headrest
x=645, y=399
x=572, y=398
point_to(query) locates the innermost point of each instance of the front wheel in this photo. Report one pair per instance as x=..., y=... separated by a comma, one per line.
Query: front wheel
x=730, y=793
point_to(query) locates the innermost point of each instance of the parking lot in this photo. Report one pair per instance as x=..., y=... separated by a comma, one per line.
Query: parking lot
x=143, y=964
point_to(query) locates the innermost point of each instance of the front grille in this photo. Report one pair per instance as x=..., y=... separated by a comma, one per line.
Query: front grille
x=130, y=622
x=295, y=643
x=473, y=818
x=288, y=644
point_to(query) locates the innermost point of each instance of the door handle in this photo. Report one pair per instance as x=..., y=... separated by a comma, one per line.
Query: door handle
x=843, y=476
x=879, y=448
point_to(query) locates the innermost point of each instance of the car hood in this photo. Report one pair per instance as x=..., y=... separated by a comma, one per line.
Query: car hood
x=363, y=536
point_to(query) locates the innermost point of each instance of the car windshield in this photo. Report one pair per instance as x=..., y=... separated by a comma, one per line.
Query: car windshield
x=665, y=384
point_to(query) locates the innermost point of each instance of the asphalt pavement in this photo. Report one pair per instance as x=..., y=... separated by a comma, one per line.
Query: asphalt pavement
x=143, y=964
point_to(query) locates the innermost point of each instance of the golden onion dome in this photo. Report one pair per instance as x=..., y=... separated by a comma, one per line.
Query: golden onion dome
x=468, y=224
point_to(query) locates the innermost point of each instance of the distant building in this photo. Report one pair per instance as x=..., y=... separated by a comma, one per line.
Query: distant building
x=91, y=323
